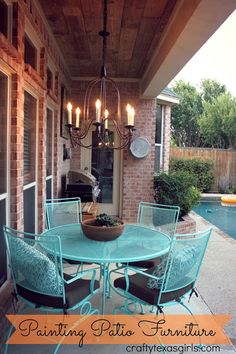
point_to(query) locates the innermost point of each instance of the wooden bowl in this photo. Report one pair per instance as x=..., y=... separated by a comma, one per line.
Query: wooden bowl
x=101, y=233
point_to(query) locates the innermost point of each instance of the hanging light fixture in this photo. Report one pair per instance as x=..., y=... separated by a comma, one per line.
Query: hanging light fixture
x=100, y=116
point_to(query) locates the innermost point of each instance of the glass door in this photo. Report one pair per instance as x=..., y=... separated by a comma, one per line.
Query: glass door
x=104, y=164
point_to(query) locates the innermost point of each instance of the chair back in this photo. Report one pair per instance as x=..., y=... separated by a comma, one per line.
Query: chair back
x=63, y=211
x=36, y=263
x=184, y=261
x=160, y=217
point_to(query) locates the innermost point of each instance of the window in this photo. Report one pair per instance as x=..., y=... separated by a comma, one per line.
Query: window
x=3, y=131
x=3, y=18
x=49, y=143
x=3, y=172
x=49, y=79
x=30, y=53
x=29, y=138
x=159, y=138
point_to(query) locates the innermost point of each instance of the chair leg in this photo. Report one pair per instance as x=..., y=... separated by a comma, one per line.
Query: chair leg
x=192, y=314
x=8, y=336
x=89, y=311
x=57, y=348
x=24, y=306
x=108, y=295
x=142, y=312
x=153, y=310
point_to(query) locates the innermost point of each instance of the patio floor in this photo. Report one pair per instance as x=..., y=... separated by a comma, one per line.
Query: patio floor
x=217, y=281
x=216, y=286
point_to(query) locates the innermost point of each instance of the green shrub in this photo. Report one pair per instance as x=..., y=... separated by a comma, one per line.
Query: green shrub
x=231, y=189
x=176, y=188
x=202, y=169
x=107, y=220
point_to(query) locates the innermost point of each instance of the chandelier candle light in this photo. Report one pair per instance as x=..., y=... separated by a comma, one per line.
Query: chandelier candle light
x=100, y=116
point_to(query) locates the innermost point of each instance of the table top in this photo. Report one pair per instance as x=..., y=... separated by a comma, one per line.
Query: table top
x=135, y=244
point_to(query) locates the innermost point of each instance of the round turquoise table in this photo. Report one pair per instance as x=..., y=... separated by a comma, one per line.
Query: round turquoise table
x=137, y=243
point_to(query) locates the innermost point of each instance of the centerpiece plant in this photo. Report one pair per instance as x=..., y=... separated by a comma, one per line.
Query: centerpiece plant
x=105, y=220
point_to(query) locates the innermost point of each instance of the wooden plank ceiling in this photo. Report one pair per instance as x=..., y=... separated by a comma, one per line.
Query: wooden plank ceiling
x=135, y=28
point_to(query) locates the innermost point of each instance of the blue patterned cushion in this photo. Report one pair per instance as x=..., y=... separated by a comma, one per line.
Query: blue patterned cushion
x=158, y=272
x=35, y=269
x=183, y=262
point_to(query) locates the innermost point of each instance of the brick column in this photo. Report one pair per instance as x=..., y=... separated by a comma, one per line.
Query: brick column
x=18, y=28
x=138, y=173
x=43, y=65
x=166, y=138
x=17, y=153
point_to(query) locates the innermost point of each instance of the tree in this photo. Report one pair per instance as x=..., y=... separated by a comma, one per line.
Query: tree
x=218, y=122
x=185, y=115
x=211, y=89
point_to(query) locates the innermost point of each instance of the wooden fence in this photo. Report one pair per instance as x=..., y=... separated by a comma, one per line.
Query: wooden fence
x=224, y=164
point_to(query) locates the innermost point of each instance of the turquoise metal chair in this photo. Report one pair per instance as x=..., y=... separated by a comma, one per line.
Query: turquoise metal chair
x=169, y=282
x=160, y=217
x=63, y=211
x=36, y=267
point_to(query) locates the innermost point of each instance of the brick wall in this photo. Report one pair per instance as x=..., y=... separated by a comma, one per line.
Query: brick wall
x=186, y=226
x=21, y=77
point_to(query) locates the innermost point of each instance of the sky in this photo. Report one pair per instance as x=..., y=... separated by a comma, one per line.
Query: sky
x=215, y=60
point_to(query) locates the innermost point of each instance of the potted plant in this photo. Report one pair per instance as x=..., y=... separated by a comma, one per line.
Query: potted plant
x=103, y=228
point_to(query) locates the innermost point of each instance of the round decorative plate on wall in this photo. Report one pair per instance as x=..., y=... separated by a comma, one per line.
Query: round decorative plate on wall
x=140, y=147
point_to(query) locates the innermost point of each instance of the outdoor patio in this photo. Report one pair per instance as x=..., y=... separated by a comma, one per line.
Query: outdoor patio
x=216, y=287
x=50, y=58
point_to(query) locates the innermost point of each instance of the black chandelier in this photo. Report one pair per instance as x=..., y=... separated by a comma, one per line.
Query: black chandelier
x=100, y=116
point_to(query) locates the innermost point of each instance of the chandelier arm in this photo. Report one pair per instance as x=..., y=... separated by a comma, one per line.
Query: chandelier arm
x=86, y=129
x=76, y=141
x=120, y=133
x=125, y=137
x=122, y=146
x=79, y=143
x=81, y=134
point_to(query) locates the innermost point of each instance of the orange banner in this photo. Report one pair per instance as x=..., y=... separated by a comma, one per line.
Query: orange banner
x=119, y=329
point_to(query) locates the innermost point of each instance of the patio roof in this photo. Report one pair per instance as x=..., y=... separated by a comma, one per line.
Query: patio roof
x=150, y=40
